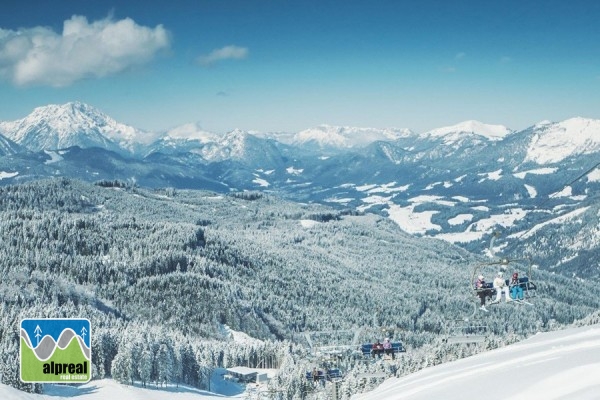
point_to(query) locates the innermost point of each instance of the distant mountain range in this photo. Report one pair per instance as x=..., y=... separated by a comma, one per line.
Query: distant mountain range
x=460, y=183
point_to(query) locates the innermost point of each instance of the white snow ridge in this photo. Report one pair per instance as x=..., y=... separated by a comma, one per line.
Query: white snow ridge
x=555, y=142
x=347, y=137
x=491, y=132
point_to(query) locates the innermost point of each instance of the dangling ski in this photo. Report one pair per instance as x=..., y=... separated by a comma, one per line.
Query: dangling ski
x=522, y=302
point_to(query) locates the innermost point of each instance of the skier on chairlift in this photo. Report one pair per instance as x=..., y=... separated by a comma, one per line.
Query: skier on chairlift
x=387, y=348
x=500, y=286
x=482, y=291
x=516, y=291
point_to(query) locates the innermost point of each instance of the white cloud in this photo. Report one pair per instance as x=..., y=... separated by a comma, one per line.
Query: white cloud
x=225, y=53
x=40, y=56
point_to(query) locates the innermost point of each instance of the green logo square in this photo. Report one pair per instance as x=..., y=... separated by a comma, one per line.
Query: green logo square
x=56, y=350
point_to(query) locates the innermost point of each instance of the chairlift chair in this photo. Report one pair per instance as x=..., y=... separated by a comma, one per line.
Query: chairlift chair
x=465, y=331
x=520, y=265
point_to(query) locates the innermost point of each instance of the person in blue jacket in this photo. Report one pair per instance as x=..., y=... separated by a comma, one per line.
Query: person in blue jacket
x=516, y=291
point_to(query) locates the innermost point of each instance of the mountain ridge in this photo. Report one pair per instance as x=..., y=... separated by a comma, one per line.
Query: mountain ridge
x=60, y=124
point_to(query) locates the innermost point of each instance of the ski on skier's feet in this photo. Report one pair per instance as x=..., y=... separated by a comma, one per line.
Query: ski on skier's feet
x=523, y=302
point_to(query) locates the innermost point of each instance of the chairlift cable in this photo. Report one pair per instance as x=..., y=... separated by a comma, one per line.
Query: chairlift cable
x=570, y=183
x=538, y=206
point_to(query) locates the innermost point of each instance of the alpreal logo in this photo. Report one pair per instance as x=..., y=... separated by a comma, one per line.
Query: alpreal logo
x=56, y=350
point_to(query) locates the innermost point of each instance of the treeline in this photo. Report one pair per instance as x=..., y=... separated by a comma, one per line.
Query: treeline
x=137, y=352
x=148, y=356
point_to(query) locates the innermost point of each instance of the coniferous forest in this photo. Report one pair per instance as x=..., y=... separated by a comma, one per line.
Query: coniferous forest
x=159, y=273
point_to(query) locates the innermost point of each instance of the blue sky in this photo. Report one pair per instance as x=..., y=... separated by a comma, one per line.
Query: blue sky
x=288, y=65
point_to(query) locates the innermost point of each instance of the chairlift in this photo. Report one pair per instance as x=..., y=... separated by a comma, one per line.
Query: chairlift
x=522, y=266
x=368, y=350
x=465, y=331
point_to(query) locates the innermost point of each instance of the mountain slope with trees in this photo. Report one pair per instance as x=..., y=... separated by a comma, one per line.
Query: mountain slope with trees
x=187, y=262
x=461, y=183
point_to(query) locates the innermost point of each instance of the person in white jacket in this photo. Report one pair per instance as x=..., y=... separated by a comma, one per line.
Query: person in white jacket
x=500, y=286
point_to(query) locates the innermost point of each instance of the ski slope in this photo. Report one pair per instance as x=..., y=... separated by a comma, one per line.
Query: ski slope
x=556, y=365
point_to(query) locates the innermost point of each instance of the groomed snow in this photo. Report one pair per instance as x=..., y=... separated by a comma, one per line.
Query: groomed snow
x=237, y=336
x=549, y=366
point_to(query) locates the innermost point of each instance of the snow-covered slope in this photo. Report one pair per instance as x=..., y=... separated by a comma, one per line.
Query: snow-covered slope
x=346, y=137
x=181, y=139
x=191, y=131
x=491, y=132
x=553, y=142
x=239, y=145
x=72, y=124
x=556, y=365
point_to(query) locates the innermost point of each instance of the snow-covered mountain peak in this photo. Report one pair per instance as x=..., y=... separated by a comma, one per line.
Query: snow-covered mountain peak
x=236, y=141
x=237, y=134
x=543, y=123
x=347, y=137
x=556, y=141
x=580, y=125
x=64, y=118
x=72, y=124
x=191, y=131
x=232, y=145
x=491, y=132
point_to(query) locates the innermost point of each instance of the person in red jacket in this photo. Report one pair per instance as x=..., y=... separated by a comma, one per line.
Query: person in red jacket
x=377, y=349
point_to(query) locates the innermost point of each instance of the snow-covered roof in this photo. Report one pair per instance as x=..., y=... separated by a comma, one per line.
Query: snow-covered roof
x=244, y=371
